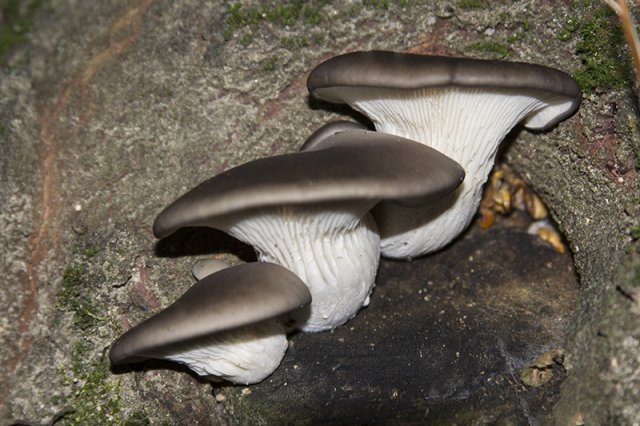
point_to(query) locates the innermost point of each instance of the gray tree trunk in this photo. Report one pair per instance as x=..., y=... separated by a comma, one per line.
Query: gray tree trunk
x=111, y=109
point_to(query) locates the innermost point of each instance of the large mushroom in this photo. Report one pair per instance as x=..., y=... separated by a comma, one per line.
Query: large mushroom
x=461, y=107
x=309, y=211
x=226, y=326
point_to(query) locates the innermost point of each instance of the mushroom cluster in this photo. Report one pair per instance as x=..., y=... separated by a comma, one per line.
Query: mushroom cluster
x=462, y=107
x=309, y=211
x=319, y=219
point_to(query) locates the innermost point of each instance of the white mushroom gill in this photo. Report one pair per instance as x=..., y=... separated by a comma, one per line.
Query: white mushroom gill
x=464, y=123
x=333, y=249
x=245, y=355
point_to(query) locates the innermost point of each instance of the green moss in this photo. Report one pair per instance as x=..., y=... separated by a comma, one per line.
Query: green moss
x=471, y=4
x=354, y=10
x=89, y=252
x=376, y=4
x=636, y=276
x=518, y=27
x=294, y=42
x=493, y=48
x=573, y=4
x=281, y=13
x=15, y=22
x=94, y=397
x=246, y=39
x=270, y=64
x=319, y=38
x=568, y=29
x=72, y=298
x=601, y=47
x=311, y=15
x=514, y=37
x=635, y=232
x=139, y=418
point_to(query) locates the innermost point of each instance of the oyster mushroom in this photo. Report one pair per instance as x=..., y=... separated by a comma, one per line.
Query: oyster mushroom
x=461, y=107
x=226, y=326
x=330, y=129
x=309, y=211
x=204, y=267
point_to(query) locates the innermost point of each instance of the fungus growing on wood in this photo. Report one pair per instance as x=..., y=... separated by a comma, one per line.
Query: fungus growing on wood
x=459, y=106
x=226, y=326
x=330, y=129
x=309, y=211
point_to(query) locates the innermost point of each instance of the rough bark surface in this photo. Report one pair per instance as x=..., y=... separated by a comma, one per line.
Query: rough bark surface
x=111, y=109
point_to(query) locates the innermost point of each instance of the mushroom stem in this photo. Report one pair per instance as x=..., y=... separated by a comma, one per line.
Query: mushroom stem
x=334, y=251
x=444, y=119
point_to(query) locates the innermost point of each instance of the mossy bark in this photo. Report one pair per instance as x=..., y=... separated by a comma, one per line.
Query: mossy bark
x=111, y=109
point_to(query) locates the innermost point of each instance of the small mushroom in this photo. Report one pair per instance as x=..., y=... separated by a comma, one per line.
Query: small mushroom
x=226, y=326
x=204, y=267
x=309, y=211
x=330, y=129
x=462, y=107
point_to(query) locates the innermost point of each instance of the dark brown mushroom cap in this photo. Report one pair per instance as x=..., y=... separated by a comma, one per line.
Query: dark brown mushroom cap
x=230, y=298
x=407, y=71
x=352, y=165
x=330, y=129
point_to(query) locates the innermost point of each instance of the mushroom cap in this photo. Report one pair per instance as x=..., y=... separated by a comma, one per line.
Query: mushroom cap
x=203, y=267
x=223, y=301
x=407, y=71
x=347, y=166
x=330, y=129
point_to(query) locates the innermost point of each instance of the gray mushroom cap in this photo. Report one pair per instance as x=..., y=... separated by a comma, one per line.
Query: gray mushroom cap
x=204, y=267
x=406, y=71
x=330, y=129
x=226, y=300
x=347, y=166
